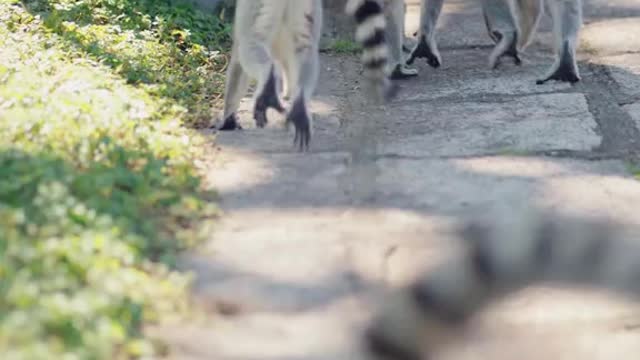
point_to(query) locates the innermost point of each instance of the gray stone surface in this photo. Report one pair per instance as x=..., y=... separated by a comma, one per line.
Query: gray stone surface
x=540, y=122
x=634, y=111
x=625, y=70
x=309, y=241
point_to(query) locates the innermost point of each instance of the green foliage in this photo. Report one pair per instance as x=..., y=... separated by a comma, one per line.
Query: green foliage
x=76, y=257
x=166, y=47
x=342, y=46
x=98, y=191
x=633, y=167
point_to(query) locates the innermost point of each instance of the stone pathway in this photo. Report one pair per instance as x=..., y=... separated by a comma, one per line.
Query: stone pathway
x=309, y=239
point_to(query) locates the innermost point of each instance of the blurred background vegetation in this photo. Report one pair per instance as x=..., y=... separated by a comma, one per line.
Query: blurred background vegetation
x=98, y=188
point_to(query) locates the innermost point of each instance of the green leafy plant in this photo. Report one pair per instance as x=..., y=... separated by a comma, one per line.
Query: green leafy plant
x=341, y=46
x=79, y=257
x=98, y=190
x=169, y=48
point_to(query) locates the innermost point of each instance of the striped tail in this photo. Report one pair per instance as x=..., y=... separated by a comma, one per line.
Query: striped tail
x=370, y=34
x=501, y=258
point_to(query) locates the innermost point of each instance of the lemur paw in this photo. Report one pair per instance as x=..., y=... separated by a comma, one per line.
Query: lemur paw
x=423, y=50
x=302, y=124
x=230, y=123
x=567, y=69
x=268, y=99
x=505, y=46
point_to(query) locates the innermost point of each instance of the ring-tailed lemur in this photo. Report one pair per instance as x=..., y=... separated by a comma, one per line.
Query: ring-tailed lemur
x=499, y=260
x=512, y=24
x=280, y=38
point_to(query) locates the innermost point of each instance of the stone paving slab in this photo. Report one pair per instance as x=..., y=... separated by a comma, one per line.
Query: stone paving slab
x=625, y=70
x=529, y=123
x=634, y=111
x=430, y=184
x=413, y=203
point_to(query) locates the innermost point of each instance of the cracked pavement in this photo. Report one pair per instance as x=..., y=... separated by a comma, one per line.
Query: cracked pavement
x=308, y=240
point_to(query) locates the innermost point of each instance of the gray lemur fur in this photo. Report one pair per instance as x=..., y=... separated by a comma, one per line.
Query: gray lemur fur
x=279, y=39
x=395, y=11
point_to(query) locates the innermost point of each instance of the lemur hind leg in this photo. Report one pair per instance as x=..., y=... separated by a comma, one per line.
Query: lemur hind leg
x=502, y=30
x=427, y=47
x=394, y=14
x=567, y=19
x=506, y=46
x=256, y=25
x=302, y=73
x=299, y=114
x=268, y=98
x=237, y=84
x=405, y=48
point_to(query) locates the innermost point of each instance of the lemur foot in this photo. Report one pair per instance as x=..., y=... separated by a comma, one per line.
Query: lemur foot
x=268, y=99
x=424, y=50
x=230, y=123
x=567, y=69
